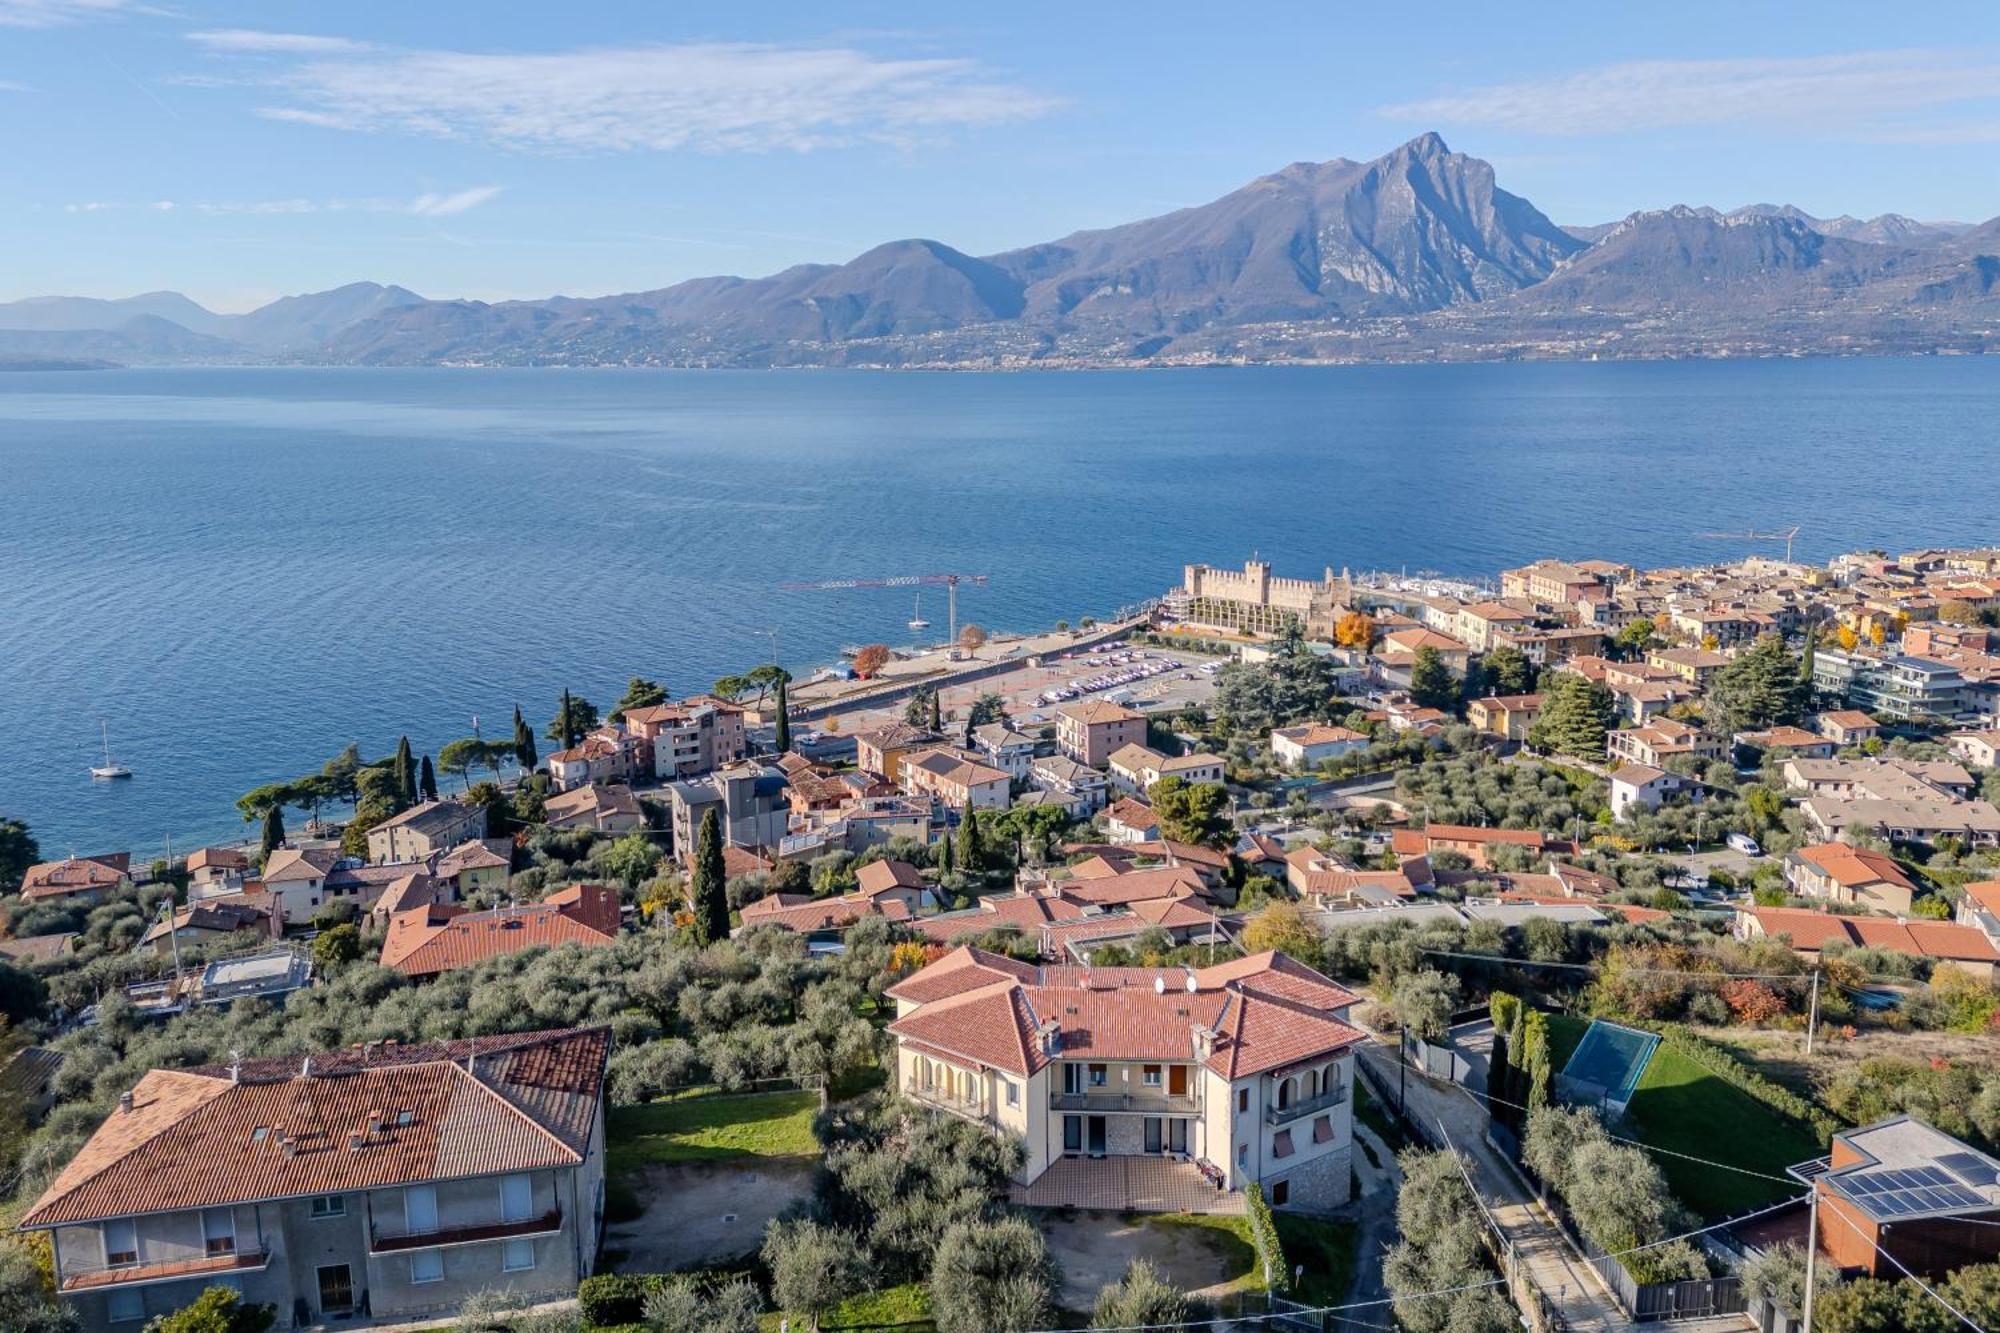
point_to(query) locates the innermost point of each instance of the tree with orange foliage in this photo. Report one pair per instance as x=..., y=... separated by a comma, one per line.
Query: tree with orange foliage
x=1356, y=629
x=1752, y=1002
x=1849, y=640
x=870, y=658
x=972, y=638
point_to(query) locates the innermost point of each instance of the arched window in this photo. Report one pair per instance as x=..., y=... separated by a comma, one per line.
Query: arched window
x=1285, y=1088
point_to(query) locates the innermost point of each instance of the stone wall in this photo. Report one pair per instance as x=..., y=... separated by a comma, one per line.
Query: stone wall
x=1318, y=1185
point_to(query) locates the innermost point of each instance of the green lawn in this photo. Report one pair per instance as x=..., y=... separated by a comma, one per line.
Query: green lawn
x=1679, y=1105
x=1327, y=1251
x=1229, y=1237
x=711, y=1129
x=907, y=1307
x=1565, y=1031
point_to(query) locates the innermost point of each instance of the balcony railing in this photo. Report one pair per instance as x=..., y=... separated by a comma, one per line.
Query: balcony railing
x=1149, y=1101
x=1285, y=1115
x=391, y=1240
x=945, y=1101
x=95, y=1277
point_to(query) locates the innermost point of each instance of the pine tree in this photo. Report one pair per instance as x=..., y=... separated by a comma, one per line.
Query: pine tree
x=970, y=859
x=1763, y=687
x=427, y=783
x=1431, y=682
x=524, y=742
x=711, y=897
x=784, y=718
x=406, y=774
x=274, y=829
x=1576, y=714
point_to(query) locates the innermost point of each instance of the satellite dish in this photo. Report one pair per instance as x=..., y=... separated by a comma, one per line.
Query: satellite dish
x=1159, y=985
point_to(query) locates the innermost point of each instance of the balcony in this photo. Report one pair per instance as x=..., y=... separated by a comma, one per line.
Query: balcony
x=1285, y=1115
x=213, y=1265
x=1145, y=1101
x=973, y=1109
x=394, y=1240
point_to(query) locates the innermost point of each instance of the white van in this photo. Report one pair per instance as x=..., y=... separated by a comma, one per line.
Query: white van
x=1745, y=844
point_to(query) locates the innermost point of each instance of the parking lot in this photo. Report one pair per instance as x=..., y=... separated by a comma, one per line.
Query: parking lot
x=1147, y=679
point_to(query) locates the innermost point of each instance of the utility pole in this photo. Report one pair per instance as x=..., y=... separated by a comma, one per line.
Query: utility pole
x=1812, y=1253
x=1812, y=1016
x=1403, y=1073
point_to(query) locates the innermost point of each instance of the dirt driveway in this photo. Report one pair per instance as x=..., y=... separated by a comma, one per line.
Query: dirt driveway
x=703, y=1213
x=1095, y=1249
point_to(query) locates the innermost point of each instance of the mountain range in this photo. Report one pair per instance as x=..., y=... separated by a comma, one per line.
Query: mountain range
x=1415, y=255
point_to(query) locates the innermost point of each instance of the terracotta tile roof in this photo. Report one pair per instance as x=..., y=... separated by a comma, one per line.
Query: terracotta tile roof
x=1986, y=893
x=474, y=854
x=1265, y=1013
x=221, y=858
x=75, y=874
x=38, y=948
x=427, y=940
x=1812, y=931
x=1317, y=733
x=1029, y=912
x=429, y=817
x=1135, y=886
x=881, y=876
x=1467, y=833
x=960, y=970
x=1132, y=813
x=1092, y=712
x=190, y=1140
x=1853, y=867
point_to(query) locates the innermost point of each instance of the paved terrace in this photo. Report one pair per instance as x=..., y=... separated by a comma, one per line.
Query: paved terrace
x=1121, y=1184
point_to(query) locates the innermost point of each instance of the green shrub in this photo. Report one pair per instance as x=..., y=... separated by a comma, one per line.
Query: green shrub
x=617, y=1298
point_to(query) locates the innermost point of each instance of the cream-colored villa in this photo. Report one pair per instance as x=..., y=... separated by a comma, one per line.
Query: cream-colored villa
x=1141, y=1087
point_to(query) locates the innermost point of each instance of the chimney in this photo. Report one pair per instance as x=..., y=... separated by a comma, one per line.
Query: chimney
x=374, y=1121
x=1204, y=1042
x=1051, y=1035
x=236, y=1066
x=288, y=1145
x=125, y=1102
x=355, y=1138
x=306, y=1067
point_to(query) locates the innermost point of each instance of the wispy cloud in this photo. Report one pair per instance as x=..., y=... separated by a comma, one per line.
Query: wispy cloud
x=273, y=43
x=1839, y=93
x=57, y=13
x=430, y=205
x=445, y=205
x=710, y=97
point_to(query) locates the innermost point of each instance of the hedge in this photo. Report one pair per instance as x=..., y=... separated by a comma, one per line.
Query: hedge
x=1264, y=1234
x=1731, y=1070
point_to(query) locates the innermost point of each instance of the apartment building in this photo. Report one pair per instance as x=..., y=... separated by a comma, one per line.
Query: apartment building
x=77, y=879
x=382, y=1181
x=1550, y=582
x=690, y=736
x=1904, y=688
x=1135, y=768
x=1004, y=748
x=1659, y=740
x=605, y=755
x=882, y=750
x=1835, y=872
x=1314, y=743
x=1506, y=715
x=1081, y=789
x=1244, y=1069
x=423, y=831
x=956, y=778
x=750, y=801
x=1091, y=730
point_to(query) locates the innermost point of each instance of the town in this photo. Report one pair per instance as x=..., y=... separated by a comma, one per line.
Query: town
x=1585, y=947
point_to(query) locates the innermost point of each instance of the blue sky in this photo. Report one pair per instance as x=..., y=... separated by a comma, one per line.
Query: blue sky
x=241, y=151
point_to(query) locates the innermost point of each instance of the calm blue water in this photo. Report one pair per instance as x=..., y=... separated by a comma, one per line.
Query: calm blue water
x=242, y=570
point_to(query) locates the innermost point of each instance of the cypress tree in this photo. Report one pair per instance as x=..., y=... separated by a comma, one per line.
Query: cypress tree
x=427, y=782
x=711, y=898
x=937, y=713
x=406, y=774
x=567, y=722
x=274, y=829
x=944, y=855
x=970, y=859
x=524, y=742
x=784, y=718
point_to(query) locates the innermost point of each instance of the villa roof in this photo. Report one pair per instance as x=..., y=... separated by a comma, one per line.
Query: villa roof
x=424, y=941
x=277, y=1129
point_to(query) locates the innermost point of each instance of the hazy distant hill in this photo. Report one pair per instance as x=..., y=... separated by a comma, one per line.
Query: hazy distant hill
x=1418, y=254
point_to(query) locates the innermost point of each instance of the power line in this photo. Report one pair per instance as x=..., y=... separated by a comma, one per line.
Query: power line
x=1598, y=967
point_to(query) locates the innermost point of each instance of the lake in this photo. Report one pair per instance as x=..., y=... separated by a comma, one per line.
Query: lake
x=240, y=571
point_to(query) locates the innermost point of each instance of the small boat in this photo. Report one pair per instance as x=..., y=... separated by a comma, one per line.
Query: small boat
x=917, y=620
x=108, y=771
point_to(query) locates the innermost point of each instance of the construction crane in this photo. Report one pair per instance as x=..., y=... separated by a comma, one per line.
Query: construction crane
x=1753, y=535
x=950, y=582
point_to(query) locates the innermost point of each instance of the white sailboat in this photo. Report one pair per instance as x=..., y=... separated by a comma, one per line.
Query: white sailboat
x=108, y=770
x=917, y=620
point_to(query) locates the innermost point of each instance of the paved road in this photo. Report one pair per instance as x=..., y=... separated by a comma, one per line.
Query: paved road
x=1537, y=1243
x=1375, y=1222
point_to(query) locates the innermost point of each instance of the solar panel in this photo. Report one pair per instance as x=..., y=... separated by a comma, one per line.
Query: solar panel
x=1871, y=1183
x=1971, y=1168
x=1894, y=1204
x=1933, y=1176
